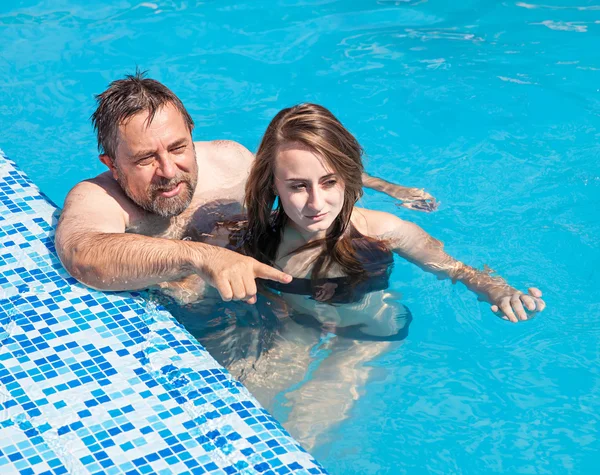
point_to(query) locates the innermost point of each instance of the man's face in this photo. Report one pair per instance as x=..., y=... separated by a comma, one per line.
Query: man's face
x=155, y=163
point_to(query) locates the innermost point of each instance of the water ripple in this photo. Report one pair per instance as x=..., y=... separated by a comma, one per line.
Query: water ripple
x=563, y=26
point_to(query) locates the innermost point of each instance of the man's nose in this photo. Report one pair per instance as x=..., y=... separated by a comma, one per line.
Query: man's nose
x=167, y=167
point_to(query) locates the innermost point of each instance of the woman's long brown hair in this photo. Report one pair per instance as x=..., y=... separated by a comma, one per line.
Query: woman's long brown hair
x=316, y=128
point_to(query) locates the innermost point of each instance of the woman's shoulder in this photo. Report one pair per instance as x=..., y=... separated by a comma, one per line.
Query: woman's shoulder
x=375, y=223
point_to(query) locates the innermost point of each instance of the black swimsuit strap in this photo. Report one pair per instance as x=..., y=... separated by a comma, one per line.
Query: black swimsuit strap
x=376, y=261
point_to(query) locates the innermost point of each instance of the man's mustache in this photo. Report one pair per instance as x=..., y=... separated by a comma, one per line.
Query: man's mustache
x=168, y=184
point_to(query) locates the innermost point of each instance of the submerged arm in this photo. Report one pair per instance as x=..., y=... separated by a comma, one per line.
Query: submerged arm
x=414, y=244
x=412, y=198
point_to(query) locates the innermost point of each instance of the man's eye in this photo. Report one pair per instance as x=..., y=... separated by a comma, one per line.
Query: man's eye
x=179, y=149
x=145, y=161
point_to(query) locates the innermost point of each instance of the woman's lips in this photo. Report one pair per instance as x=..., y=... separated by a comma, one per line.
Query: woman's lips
x=317, y=217
x=174, y=191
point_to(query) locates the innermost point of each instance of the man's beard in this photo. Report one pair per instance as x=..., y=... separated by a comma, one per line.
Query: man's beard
x=154, y=202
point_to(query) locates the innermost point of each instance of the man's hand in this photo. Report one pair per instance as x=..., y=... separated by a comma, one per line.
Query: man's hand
x=233, y=275
x=189, y=290
x=515, y=303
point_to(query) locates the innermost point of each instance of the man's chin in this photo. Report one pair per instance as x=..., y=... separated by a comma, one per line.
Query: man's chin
x=160, y=205
x=167, y=208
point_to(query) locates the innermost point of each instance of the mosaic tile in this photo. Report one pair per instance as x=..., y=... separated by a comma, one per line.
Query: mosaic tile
x=94, y=382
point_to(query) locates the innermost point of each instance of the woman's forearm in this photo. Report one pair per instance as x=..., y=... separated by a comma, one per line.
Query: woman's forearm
x=422, y=249
x=487, y=287
x=412, y=198
x=379, y=184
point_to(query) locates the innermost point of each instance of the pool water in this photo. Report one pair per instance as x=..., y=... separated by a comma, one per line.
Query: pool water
x=493, y=107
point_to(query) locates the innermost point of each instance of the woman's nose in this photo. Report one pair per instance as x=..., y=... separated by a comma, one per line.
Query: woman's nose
x=315, y=199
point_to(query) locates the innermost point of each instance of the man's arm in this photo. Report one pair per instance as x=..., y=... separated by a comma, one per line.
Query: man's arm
x=94, y=248
x=412, y=198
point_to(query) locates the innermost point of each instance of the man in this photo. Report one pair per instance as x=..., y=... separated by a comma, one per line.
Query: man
x=140, y=224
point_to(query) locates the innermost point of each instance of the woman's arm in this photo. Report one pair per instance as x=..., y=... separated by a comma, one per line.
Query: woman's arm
x=414, y=244
x=412, y=198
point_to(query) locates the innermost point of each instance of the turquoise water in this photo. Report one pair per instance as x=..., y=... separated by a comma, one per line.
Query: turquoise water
x=493, y=107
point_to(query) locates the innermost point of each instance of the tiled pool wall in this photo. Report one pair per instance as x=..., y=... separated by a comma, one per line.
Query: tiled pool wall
x=94, y=382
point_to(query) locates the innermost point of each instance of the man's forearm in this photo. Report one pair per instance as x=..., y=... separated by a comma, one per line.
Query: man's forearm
x=107, y=261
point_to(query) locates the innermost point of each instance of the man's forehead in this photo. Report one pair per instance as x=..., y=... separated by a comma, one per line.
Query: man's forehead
x=144, y=118
x=142, y=126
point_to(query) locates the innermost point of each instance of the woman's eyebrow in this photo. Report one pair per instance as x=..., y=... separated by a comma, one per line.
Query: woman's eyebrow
x=324, y=177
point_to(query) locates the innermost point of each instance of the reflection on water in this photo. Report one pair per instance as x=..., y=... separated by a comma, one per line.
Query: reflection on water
x=307, y=369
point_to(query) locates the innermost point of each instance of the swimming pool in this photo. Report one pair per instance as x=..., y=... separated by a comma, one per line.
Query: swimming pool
x=491, y=106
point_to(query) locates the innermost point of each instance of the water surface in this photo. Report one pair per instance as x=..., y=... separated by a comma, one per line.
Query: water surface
x=492, y=106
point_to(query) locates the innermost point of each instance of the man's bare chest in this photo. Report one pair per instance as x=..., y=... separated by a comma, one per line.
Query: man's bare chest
x=195, y=222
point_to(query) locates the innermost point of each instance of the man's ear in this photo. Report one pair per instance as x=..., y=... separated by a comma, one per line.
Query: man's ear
x=109, y=163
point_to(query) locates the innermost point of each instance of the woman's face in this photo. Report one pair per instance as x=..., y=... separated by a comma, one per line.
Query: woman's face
x=310, y=191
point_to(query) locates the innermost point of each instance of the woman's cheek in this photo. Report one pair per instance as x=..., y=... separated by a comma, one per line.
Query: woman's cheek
x=295, y=202
x=288, y=205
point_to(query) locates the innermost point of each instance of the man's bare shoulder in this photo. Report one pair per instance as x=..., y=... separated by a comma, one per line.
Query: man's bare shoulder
x=101, y=187
x=226, y=153
x=100, y=196
x=101, y=184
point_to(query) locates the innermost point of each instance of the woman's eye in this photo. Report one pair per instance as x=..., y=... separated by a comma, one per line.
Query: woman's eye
x=298, y=187
x=330, y=183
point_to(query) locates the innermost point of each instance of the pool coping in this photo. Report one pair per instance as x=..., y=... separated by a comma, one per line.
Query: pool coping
x=99, y=382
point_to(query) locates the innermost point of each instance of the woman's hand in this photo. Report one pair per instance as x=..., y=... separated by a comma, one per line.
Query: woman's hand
x=411, y=198
x=511, y=306
x=417, y=199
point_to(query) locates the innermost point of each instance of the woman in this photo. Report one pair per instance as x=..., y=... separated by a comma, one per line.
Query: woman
x=302, y=218
x=309, y=167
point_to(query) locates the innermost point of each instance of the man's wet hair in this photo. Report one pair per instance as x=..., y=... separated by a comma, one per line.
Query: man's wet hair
x=123, y=99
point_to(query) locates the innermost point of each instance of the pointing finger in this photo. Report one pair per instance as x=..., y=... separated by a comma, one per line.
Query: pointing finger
x=264, y=271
